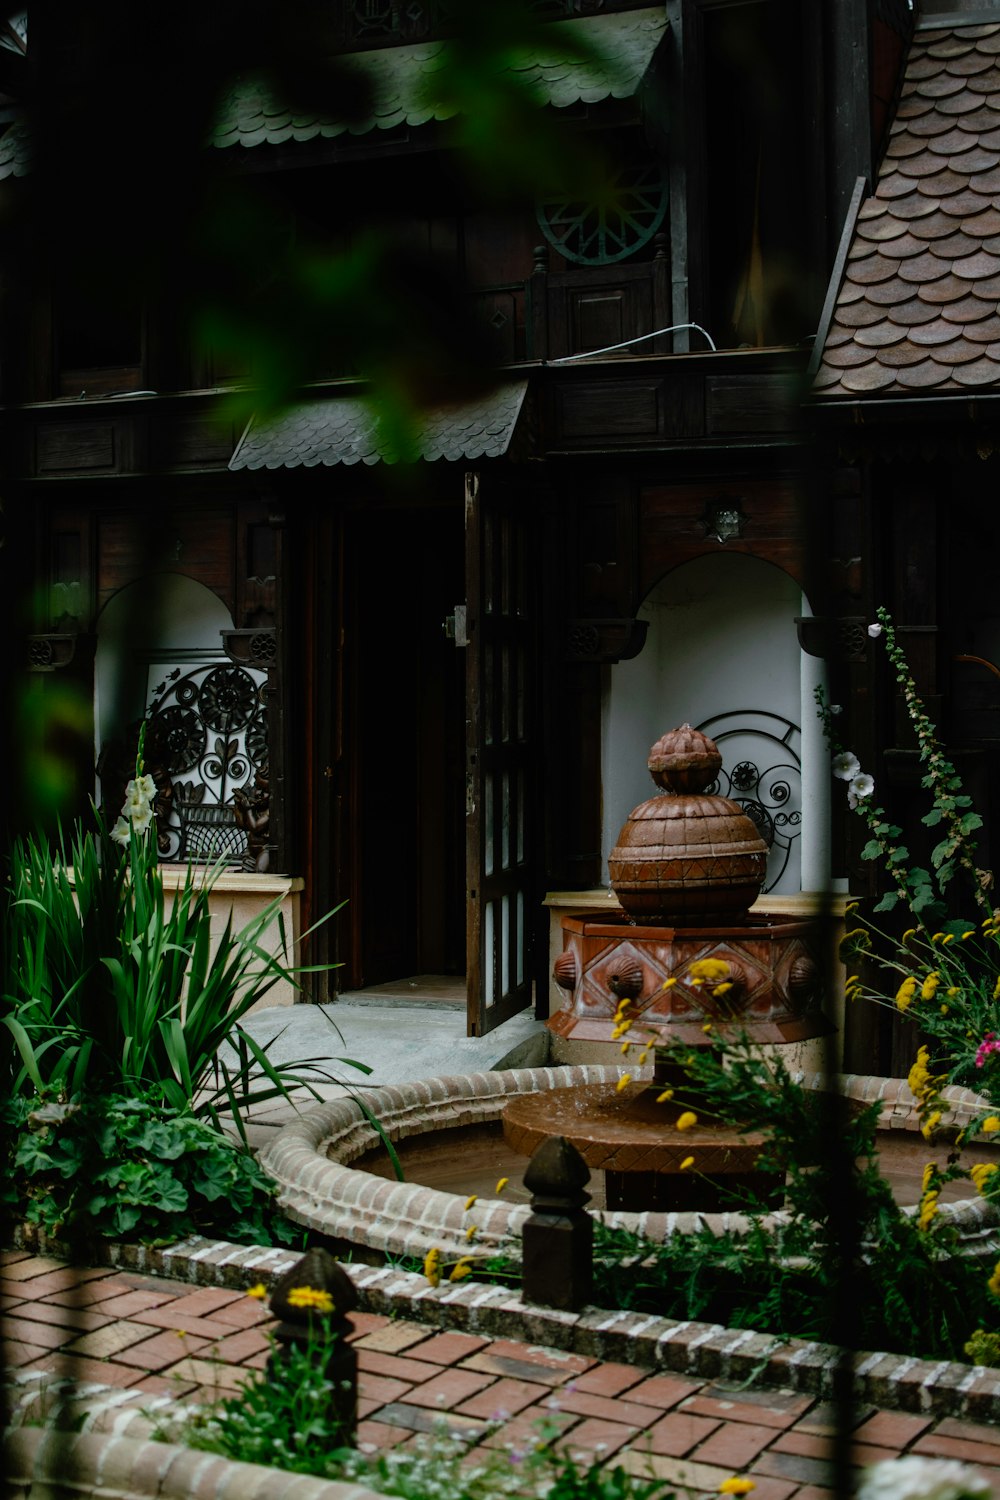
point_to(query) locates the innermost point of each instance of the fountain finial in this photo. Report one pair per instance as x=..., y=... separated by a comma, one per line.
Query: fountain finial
x=687, y=857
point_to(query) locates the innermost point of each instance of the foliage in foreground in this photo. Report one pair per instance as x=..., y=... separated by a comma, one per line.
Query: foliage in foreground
x=131, y=1168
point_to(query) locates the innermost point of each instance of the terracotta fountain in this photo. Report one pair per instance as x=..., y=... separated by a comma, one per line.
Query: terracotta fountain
x=681, y=961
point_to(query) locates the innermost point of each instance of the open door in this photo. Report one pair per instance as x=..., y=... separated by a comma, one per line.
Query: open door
x=498, y=628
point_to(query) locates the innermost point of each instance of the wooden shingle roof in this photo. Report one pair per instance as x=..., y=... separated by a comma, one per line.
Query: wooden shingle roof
x=326, y=431
x=918, y=309
x=586, y=60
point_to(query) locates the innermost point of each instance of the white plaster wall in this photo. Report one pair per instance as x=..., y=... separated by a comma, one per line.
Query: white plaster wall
x=721, y=636
x=176, y=614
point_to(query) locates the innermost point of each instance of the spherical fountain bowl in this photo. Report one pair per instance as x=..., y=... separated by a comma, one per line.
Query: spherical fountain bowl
x=317, y=1163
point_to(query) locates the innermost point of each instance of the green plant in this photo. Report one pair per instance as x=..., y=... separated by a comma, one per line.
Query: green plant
x=281, y=1418
x=109, y=984
x=122, y=1168
x=925, y=893
x=943, y=971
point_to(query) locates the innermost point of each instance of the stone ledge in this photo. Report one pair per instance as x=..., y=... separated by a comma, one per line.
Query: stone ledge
x=708, y=1351
x=37, y=1459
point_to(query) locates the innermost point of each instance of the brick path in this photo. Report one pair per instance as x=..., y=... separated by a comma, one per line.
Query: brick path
x=164, y=1337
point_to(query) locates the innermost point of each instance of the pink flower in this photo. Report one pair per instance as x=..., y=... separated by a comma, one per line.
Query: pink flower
x=990, y=1043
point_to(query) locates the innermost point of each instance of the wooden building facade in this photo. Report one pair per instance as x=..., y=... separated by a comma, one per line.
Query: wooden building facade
x=392, y=671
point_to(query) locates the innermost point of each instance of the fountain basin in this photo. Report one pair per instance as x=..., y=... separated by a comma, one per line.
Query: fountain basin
x=313, y=1158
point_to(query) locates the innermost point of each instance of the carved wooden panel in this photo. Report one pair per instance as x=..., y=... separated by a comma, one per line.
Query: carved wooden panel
x=72, y=447
x=196, y=542
x=673, y=526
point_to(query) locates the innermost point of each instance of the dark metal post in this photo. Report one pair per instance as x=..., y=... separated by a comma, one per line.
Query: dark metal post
x=324, y=1332
x=557, y=1244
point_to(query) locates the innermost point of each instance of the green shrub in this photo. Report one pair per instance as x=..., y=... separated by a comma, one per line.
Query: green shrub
x=132, y=1168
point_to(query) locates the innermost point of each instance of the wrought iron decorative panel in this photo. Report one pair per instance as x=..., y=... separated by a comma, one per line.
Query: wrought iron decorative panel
x=762, y=772
x=207, y=732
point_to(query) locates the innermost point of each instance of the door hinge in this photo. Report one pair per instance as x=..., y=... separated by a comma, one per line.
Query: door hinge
x=454, y=626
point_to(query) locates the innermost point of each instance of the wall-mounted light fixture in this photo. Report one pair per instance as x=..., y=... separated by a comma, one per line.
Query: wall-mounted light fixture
x=724, y=518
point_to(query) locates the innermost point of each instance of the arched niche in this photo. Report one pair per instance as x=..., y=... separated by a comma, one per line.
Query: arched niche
x=161, y=659
x=722, y=653
x=143, y=627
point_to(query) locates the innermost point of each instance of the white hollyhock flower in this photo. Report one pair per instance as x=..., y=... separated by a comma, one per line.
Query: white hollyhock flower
x=915, y=1478
x=874, y=631
x=846, y=765
x=861, y=785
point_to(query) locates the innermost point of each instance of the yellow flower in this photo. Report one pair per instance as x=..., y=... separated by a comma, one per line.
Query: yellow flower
x=736, y=1486
x=470, y=1234
x=667, y=983
x=953, y=991
x=994, y=1281
x=709, y=968
x=929, y=1126
x=996, y=990
x=644, y=1054
x=937, y=937
x=470, y=1201
x=723, y=989
x=981, y=1174
x=707, y=1026
x=687, y=1163
x=625, y=1047
x=910, y=932
x=311, y=1298
x=259, y=1291
x=943, y=1009
x=461, y=1269
x=687, y=1120
x=501, y=1184
x=432, y=1265
x=906, y=992
x=928, y=1208
x=930, y=1172
x=966, y=935
x=929, y=986
x=623, y=1082
x=949, y=937
x=665, y=1096
x=990, y=1125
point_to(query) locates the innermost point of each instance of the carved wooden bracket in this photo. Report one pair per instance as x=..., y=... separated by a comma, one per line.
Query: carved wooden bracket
x=605, y=640
x=54, y=650
x=844, y=638
x=255, y=647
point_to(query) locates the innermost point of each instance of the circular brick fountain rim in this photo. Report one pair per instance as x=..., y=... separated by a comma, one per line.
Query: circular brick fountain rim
x=310, y=1159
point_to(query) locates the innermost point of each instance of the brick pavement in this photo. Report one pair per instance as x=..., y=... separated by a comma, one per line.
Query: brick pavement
x=164, y=1337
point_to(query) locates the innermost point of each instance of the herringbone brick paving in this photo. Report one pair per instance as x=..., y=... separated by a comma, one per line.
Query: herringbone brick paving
x=163, y=1337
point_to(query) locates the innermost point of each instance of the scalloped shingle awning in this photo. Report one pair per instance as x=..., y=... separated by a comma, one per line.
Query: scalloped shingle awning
x=617, y=52
x=331, y=430
x=918, y=309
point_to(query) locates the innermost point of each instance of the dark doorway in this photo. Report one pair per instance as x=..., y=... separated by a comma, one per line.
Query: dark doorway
x=405, y=723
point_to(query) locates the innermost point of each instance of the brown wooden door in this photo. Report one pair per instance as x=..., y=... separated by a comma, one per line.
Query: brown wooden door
x=499, y=628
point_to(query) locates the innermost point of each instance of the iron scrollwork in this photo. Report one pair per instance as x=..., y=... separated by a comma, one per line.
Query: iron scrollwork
x=768, y=789
x=207, y=731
